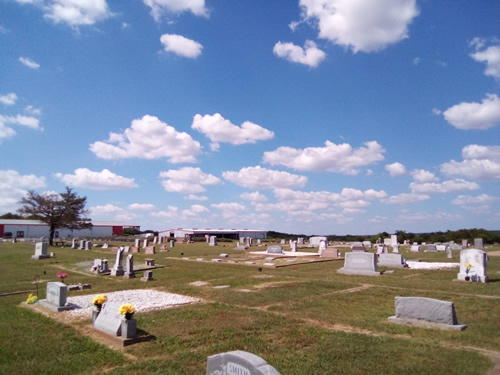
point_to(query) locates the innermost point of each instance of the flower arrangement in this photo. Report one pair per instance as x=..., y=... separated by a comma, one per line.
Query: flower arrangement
x=98, y=301
x=31, y=299
x=128, y=310
x=62, y=276
x=468, y=266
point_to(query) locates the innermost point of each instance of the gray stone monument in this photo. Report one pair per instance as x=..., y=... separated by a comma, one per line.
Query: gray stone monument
x=293, y=246
x=473, y=266
x=238, y=363
x=57, y=294
x=395, y=248
x=73, y=243
x=40, y=251
x=283, y=242
x=109, y=320
x=415, y=248
x=360, y=264
x=148, y=276
x=430, y=249
x=213, y=241
x=426, y=312
x=465, y=243
x=117, y=269
x=145, y=243
x=478, y=243
x=392, y=260
x=172, y=243
x=137, y=242
x=274, y=249
x=129, y=267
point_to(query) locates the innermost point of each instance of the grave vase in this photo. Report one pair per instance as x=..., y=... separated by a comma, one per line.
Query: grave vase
x=129, y=328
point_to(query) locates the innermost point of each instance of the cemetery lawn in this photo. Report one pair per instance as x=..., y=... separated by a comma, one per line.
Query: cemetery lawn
x=301, y=319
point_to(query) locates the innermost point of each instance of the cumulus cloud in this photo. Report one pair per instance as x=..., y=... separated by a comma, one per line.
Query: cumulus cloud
x=27, y=121
x=14, y=186
x=8, y=99
x=480, y=163
x=331, y=158
x=443, y=187
x=149, y=138
x=29, y=63
x=405, y=198
x=482, y=115
x=396, y=169
x=181, y=46
x=262, y=178
x=141, y=207
x=161, y=7
x=480, y=204
x=254, y=197
x=490, y=56
x=106, y=209
x=77, y=12
x=104, y=180
x=310, y=55
x=220, y=130
x=229, y=210
x=365, y=26
x=421, y=175
x=187, y=180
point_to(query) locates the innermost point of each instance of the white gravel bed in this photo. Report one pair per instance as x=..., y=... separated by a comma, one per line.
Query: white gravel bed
x=430, y=265
x=142, y=299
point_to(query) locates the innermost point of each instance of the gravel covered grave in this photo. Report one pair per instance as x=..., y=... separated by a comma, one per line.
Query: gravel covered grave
x=430, y=265
x=142, y=299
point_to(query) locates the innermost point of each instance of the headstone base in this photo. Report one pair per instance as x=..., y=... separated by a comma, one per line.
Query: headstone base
x=346, y=271
x=129, y=275
x=40, y=256
x=425, y=323
x=473, y=278
x=53, y=307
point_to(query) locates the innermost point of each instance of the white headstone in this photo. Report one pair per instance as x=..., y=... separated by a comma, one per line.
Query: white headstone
x=473, y=266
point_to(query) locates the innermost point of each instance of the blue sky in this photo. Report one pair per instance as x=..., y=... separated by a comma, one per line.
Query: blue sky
x=305, y=116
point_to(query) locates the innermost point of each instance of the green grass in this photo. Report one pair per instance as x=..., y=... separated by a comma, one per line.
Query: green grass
x=304, y=319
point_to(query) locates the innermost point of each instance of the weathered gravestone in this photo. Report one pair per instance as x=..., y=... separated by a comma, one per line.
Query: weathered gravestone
x=150, y=250
x=473, y=266
x=135, y=249
x=293, y=246
x=40, y=251
x=137, y=242
x=465, y=243
x=381, y=249
x=322, y=247
x=109, y=320
x=300, y=240
x=426, y=312
x=148, y=276
x=430, y=249
x=163, y=248
x=105, y=245
x=329, y=252
x=395, y=248
x=392, y=260
x=73, y=243
x=415, y=248
x=283, y=241
x=478, y=243
x=129, y=267
x=360, y=264
x=367, y=244
x=314, y=241
x=88, y=245
x=126, y=249
x=213, y=241
x=172, y=243
x=57, y=294
x=117, y=269
x=238, y=362
x=358, y=248
x=274, y=249
x=145, y=243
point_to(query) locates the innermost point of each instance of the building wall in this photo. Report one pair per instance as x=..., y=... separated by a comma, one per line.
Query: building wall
x=37, y=231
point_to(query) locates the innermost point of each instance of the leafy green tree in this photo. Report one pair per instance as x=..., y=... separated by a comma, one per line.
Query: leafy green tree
x=65, y=210
x=10, y=216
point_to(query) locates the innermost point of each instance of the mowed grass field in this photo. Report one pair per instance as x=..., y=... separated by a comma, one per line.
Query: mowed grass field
x=302, y=319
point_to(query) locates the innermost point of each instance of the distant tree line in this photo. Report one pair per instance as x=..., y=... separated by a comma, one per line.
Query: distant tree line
x=488, y=236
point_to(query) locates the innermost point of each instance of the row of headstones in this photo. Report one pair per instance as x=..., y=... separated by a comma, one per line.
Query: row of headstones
x=101, y=265
x=472, y=264
x=81, y=244
x=149, y=250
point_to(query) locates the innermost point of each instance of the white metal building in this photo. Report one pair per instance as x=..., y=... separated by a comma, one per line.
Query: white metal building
x=220, y=233
x=38, y=229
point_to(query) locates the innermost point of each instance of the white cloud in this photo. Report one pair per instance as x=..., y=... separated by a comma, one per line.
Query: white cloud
x=416, y=61
x=332, y=158
x=181, y=46
x=9, y=99
x=421, y=175
x=149, y=138
x=480, y=200
x=483, y=115
x=254, y=197
x=491, y=56
x=262, y=178
x=141, y=207
x=7, y=132
x=220, y=130
x=160, y=7
x=33, y=111
x=107, y=209
x=442, y=187
x=187, y=180
x=194, y=197
x=480, y=163
x=310, y=55
x=29, y=63
x=77, y=12
x=396, y=169
x=104, y=180
x=230, y=210
x=195, y=211
x=377, y=219
x=14, y=186
x=405, y=198
x=361, y=25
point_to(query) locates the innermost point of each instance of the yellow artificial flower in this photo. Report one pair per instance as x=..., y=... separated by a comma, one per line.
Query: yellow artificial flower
x=126, y=309
x=468, y=265
x=100, y=299
x=31, y=299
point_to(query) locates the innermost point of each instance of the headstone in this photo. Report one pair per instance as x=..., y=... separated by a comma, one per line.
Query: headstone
x=148, y=276
x=129, y=267
x=137, y=242
x=240, y=246
x=415, y=248
x=98, y=266
x=114, y=249
x=163, y=248
x=149, y=250
x=126, y=249
x=293, y=246
x=358, y=248
x=274, y=249
x=172, y=243
x=135, y=249
x=117, y=269
x=392, y=260
x=105, y=245
x=155, y=240
x=360, y=264
x=473, y=266
x=88, y=245
x=283, y=242
x=259, y=242
x=465, y=243
x=41, y=251
x=238, y=363
x=145, y=243
x=449, y=253
x=381, y=249
x=441, y=247
x=322, y=247
x=109, y=319
x=329, y=252
x=395, y=248
x=242, y=240
x=394, y=239
x=367, y=244
x=478, y=243
x=300, y=240
x=82, y=245
x=213, y=241
x=430, y=249
x=314, y=241
x=73, y=243
x=427, y=312
x=57, y=294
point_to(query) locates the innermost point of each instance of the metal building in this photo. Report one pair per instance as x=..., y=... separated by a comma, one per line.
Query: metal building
x=234, y=234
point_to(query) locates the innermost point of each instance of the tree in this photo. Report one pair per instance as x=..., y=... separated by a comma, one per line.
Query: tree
x=10, y=215
x=65, y=210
